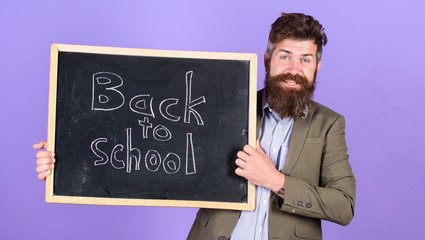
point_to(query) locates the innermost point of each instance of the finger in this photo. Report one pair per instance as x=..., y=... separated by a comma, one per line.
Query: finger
x=43, y=175
x=40, y=145
x=44, y=154
x=239, y=172
x=44, y=168
x=44, y=161
x=248, y=149
x=242, y=155
x=241, y=163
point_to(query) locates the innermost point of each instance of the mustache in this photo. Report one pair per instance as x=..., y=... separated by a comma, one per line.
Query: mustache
x=287, y=76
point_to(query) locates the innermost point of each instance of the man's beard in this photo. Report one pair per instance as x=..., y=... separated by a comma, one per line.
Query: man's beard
x=288, y=102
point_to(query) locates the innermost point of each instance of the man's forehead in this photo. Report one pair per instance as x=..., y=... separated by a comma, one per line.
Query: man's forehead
x=299, y=47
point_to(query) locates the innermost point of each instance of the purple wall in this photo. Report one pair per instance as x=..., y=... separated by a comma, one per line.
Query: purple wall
x=371, y=73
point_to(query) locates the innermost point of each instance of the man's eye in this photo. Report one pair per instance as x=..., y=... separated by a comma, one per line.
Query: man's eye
x=284, y=57
x=305, y=60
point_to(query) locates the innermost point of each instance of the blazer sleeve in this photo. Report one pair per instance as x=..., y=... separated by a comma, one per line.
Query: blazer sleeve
x=333, y=198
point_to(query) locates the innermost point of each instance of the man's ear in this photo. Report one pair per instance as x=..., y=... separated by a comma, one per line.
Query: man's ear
x=266, y=60
x=318, y=65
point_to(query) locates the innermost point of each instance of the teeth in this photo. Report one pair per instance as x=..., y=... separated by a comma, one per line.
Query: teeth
x=290, y=82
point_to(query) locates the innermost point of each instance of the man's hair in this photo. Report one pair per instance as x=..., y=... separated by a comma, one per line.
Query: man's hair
x=297, y=26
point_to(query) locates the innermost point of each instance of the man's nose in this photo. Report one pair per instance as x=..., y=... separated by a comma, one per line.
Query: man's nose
x=293, y=67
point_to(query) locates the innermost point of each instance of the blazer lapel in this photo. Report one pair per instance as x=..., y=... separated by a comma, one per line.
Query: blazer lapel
x=296, y=143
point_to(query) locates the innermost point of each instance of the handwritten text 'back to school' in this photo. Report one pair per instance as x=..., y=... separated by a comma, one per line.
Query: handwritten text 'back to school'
x=106, y=96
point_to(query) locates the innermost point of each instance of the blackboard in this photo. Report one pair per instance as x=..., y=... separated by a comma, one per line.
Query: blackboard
x=150, y=127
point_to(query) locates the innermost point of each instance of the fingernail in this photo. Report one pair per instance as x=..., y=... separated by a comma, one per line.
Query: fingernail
x=52, y=154
x=53, y=166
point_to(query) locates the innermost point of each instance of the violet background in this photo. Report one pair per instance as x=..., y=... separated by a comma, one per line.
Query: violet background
x=372, y=73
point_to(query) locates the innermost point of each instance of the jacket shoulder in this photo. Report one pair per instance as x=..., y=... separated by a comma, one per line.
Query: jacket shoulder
x=319, y=110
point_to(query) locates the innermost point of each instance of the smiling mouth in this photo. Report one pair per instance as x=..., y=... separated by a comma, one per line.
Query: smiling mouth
x=290, y=83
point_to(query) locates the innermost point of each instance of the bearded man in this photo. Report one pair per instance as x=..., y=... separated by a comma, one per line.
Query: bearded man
x=300, y=164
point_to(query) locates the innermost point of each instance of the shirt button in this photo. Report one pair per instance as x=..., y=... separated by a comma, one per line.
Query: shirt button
x=264, y=202
x=260, y=229
x=274, y=149
x=279, y=126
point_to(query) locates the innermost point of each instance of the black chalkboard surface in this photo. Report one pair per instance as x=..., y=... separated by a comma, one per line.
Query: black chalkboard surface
x=150, y=127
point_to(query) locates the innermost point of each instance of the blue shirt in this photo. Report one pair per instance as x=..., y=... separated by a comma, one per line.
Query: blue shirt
x=274, y=140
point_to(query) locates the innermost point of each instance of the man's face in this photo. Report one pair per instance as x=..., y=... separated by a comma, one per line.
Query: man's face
x=291, y=74
x=295, y=57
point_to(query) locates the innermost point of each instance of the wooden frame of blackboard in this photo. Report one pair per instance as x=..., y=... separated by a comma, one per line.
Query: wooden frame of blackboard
x=54, y=65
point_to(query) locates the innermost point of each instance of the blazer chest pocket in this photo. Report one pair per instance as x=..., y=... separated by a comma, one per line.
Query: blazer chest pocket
x=313, y=148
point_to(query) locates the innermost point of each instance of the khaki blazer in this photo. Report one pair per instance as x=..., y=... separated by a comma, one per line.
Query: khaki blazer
x=319, y=183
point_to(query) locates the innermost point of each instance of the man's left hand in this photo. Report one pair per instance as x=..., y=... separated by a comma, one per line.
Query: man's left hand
x=256, y=167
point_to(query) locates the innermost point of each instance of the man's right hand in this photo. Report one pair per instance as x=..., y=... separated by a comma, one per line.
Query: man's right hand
x=45, y=160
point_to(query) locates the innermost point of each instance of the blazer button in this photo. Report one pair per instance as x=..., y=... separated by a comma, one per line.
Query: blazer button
x=304, y=204
x=308, y=205
x=300, y=203
x=222, y=238
x=295, y=202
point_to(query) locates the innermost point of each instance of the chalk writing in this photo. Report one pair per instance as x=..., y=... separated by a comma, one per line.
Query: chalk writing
x=105, y=86
x=153, y=160
x=138, y=104
x=190, y=104
x=163, y=109
x=106, y=96
x=190, y=155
